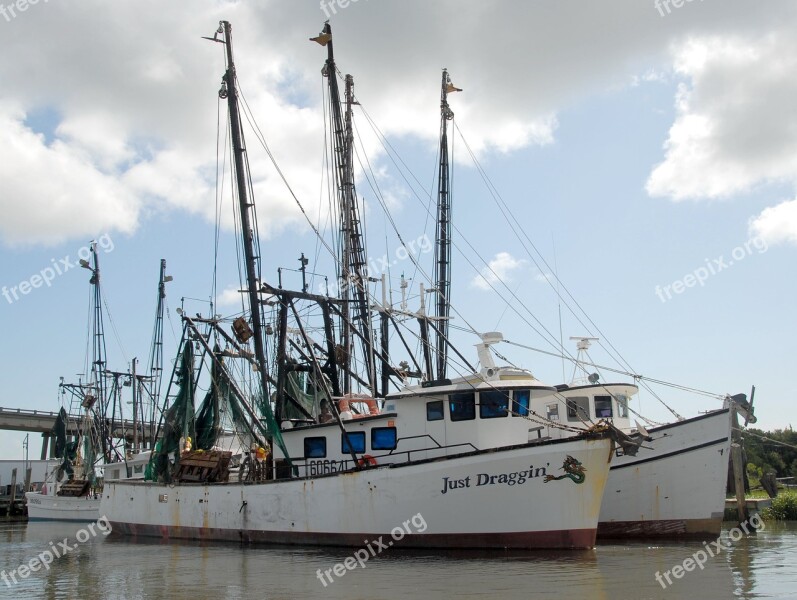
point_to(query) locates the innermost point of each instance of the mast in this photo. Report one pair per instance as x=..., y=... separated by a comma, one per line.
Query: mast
x=352, y=253
x=442, y=256
x=155, y=366
x=136, y=400
x=245, y=207
x=99, y=360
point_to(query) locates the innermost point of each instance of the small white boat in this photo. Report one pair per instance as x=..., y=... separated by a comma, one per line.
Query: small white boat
x=51, y=507
x=75, y=500
x=71, y=500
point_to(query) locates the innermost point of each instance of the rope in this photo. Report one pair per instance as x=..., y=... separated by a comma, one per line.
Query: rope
x=504, y=209
x=763, y=437
x=621, y=372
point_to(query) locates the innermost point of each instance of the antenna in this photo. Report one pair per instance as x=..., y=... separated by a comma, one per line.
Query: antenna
x=483, y=351
x=583, y=344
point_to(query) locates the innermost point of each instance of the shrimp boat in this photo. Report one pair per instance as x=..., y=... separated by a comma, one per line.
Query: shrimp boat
x=423, y=466
x=86, y=438
x=70, y=492
x=77, y=499
x=68, y=501
x=673, y=485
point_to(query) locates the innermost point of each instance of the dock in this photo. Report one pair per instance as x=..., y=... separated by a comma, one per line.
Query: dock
x=754, y=506
x=12, y=507
x=12, y=500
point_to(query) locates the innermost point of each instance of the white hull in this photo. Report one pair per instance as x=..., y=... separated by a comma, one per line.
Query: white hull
x=677, y=488
x=43, y=507
x=347, y=509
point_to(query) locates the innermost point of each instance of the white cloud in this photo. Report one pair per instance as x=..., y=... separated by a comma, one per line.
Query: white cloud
x=500, y=269
x=230, y=297
x=54, y=193
x=736, y=123
x=137, y=109
x=777, y=224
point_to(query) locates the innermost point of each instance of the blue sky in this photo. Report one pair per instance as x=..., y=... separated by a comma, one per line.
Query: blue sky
x=639, y=150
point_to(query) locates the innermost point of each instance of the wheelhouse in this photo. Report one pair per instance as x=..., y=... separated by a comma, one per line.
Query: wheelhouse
x=422, y=422
x=582, y=406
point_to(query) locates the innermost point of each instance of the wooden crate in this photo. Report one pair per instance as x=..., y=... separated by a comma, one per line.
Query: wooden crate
x=75, y=488
x=204, y=467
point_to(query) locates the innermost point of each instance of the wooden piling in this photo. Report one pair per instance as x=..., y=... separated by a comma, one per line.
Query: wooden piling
x=738, y=466
x=13, y=495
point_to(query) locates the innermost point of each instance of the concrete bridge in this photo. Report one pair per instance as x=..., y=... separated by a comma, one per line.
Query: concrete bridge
x=40, y=421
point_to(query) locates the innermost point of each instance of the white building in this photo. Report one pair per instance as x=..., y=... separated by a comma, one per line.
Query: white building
x=38, y=468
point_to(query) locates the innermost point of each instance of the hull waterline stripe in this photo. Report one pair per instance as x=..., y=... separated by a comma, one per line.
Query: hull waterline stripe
x=553, y=539
x=674, y=529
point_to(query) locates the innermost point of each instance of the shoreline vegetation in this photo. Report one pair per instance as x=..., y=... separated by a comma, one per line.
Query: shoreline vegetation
x=784, y=507
x=772, y=455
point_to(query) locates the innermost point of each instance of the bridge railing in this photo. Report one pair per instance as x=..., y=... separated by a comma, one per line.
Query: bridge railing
x=24, y=411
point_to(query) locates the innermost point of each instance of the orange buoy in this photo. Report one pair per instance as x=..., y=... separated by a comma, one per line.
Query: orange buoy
x=366, y=460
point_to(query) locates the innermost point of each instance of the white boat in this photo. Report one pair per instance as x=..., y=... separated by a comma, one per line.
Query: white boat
x=431, y=453
x=673, y=486
x=71, y=491
x=501, y=499
x=63, y=501
x=51, y=507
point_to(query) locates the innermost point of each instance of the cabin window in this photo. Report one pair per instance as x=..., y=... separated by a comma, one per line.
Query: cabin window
x=520, y=403
x=493, y=404
x=622, y=406
x=434, y=410
x=138, y=469
x=352, y=442
x=578, y=408
x=603, y=407
x=383, y=438
x=462, y=406
x=315, y=447
x=552, y=412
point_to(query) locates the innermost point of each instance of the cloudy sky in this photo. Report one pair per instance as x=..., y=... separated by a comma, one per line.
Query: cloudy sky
x=649, y=152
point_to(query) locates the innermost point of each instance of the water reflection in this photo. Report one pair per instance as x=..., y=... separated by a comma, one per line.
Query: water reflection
x=763, y=564
x=755, y=566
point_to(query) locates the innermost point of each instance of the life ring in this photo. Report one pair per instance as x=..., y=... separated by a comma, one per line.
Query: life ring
x=366, y=459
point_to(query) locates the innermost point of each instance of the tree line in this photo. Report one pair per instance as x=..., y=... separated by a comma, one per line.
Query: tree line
x=771, y=452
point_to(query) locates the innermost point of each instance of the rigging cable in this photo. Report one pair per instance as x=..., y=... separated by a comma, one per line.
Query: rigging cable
x=504, y=209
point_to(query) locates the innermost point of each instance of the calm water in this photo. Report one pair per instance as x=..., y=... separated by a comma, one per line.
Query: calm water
x=760, y=566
